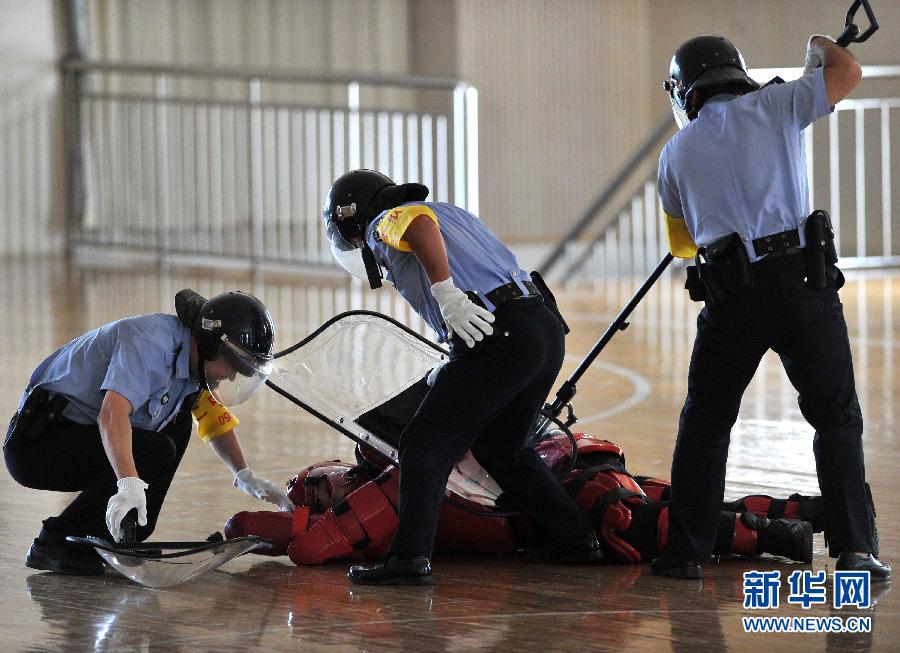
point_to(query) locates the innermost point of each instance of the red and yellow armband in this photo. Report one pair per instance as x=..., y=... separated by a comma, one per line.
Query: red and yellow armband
x=213, y=419
x=393, y=225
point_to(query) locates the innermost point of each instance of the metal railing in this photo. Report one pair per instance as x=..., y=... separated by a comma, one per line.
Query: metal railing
x=221, y=165
x=631, y=239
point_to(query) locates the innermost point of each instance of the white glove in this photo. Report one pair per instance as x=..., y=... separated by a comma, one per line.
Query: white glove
x=812, y=60
x=130, y=495
x=248, y=482
x=461, y=315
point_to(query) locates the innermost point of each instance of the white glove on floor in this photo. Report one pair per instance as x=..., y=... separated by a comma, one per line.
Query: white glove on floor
x=248, y=482
x=461, y=315
x=130, y=495
x=812, y=60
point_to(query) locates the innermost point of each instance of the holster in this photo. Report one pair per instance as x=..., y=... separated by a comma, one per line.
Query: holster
x=549, y=299
x=696, y=289
x=820, y=251
x=723, y=267
x=39, y=412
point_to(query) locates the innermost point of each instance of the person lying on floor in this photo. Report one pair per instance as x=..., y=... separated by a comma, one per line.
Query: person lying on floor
x=349, y=511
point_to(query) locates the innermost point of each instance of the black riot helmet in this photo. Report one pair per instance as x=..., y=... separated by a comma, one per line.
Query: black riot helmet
x=355, y=199
x=702, y=67
x=350, y=205
x=236, y=326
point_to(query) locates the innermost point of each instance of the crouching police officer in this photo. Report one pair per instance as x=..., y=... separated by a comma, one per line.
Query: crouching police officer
x=733, y=181
x=109, y=415
x=506, y=350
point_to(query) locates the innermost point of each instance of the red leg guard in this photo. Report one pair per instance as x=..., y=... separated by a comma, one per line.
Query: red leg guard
x=745, y=541
x=766, y=506
x=275, y=526
x=322, y=540
x=662, y=529
x=656, y=489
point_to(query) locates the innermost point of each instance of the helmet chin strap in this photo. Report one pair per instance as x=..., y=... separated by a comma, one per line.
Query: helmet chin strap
x=373, y=270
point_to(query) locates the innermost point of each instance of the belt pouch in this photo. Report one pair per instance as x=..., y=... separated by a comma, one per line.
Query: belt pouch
x=727, y=268
x=38, y=411
x=693, y=284
x=549, y=299
x=820, y=251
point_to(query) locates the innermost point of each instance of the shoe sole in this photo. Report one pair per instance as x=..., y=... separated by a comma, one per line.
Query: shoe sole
x=412, y=580
x=683, y=573
x=807, y=543
x=66, y=571
x=572, y=559
x=875, y=578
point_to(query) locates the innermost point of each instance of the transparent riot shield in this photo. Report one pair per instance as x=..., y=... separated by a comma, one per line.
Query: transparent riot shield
x=148, y=564
x=363, y=373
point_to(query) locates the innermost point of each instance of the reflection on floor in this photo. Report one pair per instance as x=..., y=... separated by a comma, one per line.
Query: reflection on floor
x=632, y=396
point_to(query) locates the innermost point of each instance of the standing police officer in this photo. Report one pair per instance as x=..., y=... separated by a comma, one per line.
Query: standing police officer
x=733, y=181
x=506, y=351
x=109, y=415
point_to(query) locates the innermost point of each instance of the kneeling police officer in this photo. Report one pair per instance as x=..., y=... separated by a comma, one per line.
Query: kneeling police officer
x=109, y=415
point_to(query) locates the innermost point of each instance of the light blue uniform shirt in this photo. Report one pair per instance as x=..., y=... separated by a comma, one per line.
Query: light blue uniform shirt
x=145, y=359
x=478, y=262
x=740, y=165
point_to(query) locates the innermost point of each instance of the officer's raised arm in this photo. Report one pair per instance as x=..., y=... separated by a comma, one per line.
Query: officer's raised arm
x=842, y=72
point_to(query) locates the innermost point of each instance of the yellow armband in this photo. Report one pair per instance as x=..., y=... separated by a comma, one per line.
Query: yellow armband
x=392, y=226
x=213, y=419
x=680, y=242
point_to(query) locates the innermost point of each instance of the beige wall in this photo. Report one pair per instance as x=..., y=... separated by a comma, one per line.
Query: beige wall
x=31, y=153
x=567, y=88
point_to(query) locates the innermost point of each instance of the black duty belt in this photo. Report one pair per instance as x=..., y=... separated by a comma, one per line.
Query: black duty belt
x=787, y=242
x=512, y=291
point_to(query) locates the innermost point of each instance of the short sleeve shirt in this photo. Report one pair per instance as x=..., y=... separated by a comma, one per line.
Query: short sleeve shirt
x=145, y=359
x=740, y=165
x=479, y=262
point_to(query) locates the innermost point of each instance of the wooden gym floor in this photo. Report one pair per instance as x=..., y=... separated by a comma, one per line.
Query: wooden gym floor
x=632, y=396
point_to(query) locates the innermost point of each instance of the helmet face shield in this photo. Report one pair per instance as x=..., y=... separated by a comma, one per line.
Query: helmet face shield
x=234, y=374
x=681, y=116
x=351, y=260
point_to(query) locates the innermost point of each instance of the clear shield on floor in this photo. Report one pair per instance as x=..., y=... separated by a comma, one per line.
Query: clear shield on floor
x=166, y=564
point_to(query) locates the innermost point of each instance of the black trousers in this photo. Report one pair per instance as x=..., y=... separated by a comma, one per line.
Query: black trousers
x=69, y=457
x=806, y=328
x=487, y=400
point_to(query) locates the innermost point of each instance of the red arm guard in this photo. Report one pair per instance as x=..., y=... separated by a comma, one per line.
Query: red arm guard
x=275, y=526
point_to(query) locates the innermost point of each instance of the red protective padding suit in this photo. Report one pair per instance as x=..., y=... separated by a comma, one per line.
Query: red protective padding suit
x=342, y=512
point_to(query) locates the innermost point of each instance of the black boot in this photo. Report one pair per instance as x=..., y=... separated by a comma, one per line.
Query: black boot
x=878, y=571
x=393, y=571
x=790, y=538
x=64, y=558
x=671, y=567
x=811, y=510
x=584, y=550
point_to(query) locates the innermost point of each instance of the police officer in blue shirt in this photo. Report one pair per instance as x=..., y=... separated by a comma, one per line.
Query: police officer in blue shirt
x=506, y=351
x=733, y=182
x=109, y=415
